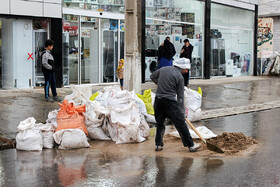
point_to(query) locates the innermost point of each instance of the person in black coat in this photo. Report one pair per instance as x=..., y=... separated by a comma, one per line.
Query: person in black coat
x=186, y=52
x=165, y=53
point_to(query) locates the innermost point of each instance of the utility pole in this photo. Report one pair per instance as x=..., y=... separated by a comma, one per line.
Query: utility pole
x=133, y=39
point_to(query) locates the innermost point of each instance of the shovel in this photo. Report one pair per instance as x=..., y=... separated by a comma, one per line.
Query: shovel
x=210, y=146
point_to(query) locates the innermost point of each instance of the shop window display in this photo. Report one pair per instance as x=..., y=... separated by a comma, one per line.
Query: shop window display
x=231, y=41
x=110, y=48
x=100, y=49
x=116, y=6
x=70, y=49
x=179, y=20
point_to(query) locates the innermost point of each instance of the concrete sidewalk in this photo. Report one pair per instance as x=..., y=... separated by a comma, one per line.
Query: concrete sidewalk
x=217, y=92
x=226, y=96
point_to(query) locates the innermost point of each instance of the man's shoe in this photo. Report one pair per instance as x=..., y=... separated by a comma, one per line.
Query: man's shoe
x=56, y=99
x=195, y=147
x=158, y=148
x=48, y=99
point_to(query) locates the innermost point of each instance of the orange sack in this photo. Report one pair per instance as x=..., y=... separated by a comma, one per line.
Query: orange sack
x=71, y=117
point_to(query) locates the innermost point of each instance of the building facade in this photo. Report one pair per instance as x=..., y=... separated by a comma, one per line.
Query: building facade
x=270, y=9
x=90, y=38
x=268, y=31
x=24, y=26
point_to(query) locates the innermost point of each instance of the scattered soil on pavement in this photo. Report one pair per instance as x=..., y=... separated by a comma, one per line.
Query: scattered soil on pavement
x=6, y=143
x=232, y=143
x=173, y=147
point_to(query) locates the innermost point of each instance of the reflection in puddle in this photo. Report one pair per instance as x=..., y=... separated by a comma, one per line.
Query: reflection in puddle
x=212, y=164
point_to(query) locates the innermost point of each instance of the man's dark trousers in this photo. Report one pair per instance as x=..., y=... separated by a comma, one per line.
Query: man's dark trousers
x=186, y=78
x=50, y=81
x=167, y=108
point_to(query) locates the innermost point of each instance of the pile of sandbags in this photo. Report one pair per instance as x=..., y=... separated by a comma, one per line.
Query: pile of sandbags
x=109, y=114
x=113, y=115
x=118, y=115
x=34, y=137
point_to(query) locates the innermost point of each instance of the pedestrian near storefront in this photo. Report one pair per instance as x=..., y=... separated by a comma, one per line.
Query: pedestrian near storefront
x=48, y=69
x=169, y=102
x=166, y=51
x=120, y=72
x=186, y=52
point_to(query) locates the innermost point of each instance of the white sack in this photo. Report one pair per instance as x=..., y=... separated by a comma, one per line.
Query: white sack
x=94, y=119
x=97, y=133
x=29, y=138
x=48, y=141
x=192, y=99
x=140, y=103
x=80, y=95
x=153, y=98
x=106, y=93
x=150, y=118
x=71, y=139
x=194, y=115
x=125, y=122
x=144, y=128
x=192, y=104
x=204, y=131
x=47, y=131
x=52, y=118
x=94, y=127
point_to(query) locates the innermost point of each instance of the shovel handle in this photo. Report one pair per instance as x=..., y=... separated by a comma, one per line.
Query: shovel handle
x=194, y=129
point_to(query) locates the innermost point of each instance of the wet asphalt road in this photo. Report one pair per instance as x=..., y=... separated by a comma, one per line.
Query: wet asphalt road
x=90, y=167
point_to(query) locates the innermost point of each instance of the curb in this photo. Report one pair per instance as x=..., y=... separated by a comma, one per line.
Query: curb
x=215, y=113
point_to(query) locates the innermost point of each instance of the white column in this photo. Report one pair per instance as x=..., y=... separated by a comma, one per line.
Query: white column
x=132, y=61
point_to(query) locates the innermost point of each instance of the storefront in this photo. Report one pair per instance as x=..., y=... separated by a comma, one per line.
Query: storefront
x=101, y=45
x=179, y=20
x=93, y=41
x=232, y=41
x=24, y=28
x=98, y=26
x=89, y=41
x=17, y=54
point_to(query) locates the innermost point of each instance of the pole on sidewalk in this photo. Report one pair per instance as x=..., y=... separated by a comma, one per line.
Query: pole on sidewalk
x=132, y=61
x=207, y=41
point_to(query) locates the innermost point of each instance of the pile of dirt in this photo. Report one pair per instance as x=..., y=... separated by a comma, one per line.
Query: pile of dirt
x=232, y=143
x=6, y=143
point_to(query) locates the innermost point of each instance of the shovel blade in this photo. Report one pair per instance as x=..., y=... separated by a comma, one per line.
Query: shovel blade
x=214, y=148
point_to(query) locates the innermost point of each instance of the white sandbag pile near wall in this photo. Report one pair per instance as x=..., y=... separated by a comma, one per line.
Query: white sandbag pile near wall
x=114, y=114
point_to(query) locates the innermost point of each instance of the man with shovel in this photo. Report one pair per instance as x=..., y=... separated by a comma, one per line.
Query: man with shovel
x=169, y=102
